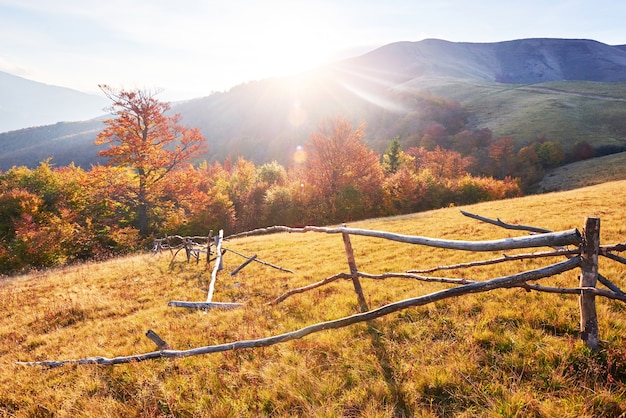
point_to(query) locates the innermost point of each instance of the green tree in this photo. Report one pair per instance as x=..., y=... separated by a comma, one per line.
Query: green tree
x=392, y=157
x=550, y=154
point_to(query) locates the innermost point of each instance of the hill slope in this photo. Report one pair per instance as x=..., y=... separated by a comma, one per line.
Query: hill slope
x=507, y=352
x=566, y=89
x=585, y=173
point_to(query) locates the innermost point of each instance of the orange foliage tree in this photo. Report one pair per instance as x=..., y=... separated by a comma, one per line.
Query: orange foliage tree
x=198, y=200
x=142, y=137
x=433, y=179
x=344, y=176
x=502, y=153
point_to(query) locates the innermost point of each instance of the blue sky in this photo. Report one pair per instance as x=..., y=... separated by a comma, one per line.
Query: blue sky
x=189, y=48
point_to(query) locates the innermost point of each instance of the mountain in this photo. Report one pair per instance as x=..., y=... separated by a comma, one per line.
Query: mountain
x=25, y=103
x=526, y=61
x=564, y=89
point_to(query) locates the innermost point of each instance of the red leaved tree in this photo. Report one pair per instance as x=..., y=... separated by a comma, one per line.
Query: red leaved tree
x=142, y=137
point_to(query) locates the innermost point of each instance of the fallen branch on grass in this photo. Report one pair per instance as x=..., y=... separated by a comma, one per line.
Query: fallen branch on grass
x=476, y=287
x=265, y=263
x=203, y=305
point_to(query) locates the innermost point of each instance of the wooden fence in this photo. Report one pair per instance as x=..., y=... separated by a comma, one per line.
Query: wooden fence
x=581, y=250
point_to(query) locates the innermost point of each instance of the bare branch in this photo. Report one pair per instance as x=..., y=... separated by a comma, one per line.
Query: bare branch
x=604, y=250
x=502, y=259
x=416, y=277
x=610, y=284
x=310, y=287
x=614, y=247
x=161, y=345
x=260, y=261
x=367, y=276
x=244, y=264
x=614, y=257
x=218, y=265
x=575, y=291
x=499, y=223
x=204, y=305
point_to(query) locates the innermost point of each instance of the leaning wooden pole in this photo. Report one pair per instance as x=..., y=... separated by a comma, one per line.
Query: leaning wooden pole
x=588, y=279
x=354, y=272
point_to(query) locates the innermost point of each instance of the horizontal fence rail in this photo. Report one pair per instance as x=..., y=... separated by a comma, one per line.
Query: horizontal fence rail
x=552, y=239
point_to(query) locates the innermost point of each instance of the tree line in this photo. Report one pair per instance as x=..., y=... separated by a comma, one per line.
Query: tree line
x=153, y=184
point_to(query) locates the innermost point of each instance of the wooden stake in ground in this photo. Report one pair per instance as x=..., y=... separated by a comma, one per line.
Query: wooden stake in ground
x=354, y=272
x=588, y=279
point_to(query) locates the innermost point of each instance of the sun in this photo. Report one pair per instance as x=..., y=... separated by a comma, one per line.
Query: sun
x=291, y=41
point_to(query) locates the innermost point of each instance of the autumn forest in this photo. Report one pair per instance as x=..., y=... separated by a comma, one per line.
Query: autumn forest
x=155, y=182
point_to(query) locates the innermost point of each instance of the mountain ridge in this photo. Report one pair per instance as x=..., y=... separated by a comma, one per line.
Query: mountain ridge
x=26, y=103
x=522, y=61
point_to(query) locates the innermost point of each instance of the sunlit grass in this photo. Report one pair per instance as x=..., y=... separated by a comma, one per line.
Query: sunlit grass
x=504, y=353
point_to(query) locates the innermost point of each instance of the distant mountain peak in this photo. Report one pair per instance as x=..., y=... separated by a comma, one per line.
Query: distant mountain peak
x=25, y=103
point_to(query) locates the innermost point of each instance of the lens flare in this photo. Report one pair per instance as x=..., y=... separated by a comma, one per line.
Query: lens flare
x=299, y=157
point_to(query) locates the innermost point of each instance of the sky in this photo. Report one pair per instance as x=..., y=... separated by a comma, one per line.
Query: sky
x=191, y=48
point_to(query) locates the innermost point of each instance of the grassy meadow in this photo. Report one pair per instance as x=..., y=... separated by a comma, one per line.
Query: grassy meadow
x=585, y=173
x=564, y=111
x=506, y=353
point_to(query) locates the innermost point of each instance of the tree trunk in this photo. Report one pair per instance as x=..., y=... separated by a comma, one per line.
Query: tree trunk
x=142, y=208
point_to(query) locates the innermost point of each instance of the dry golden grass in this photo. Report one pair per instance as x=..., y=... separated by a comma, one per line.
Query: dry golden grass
x=502, y=353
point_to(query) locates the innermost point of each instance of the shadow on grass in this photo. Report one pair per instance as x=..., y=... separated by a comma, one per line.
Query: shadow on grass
x=400, y=406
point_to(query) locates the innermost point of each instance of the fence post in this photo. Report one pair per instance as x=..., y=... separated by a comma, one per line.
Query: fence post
x=588, y=278
x=209, y=238
x=353, y=271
